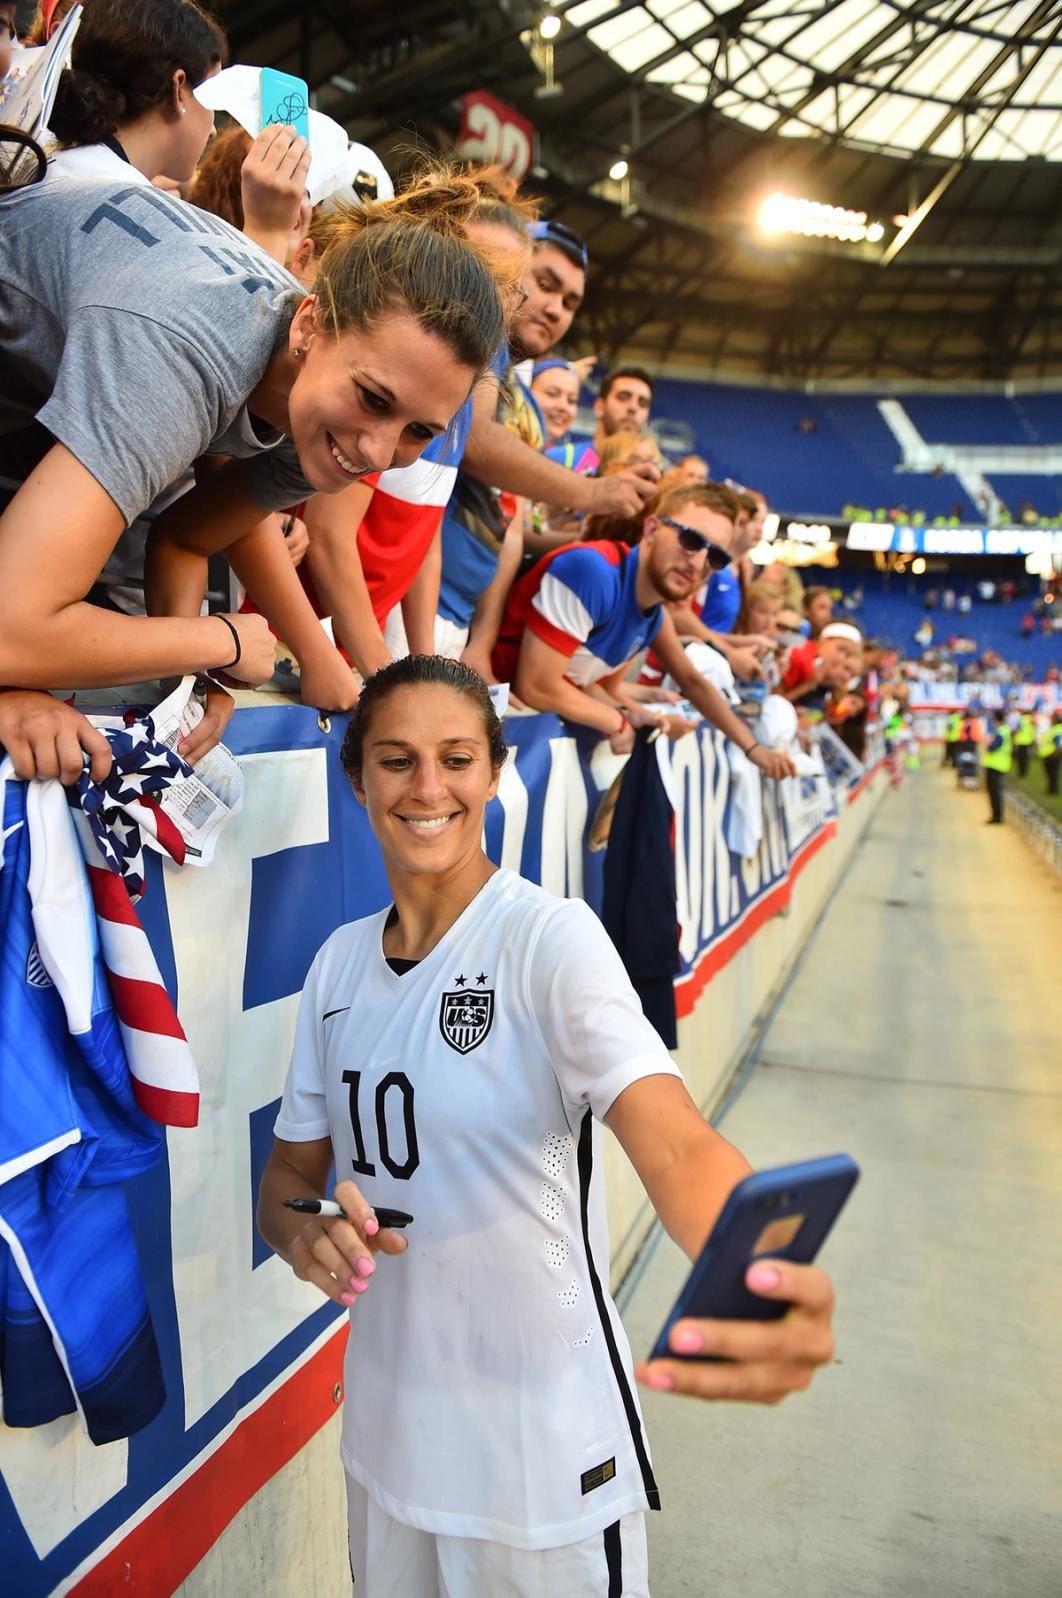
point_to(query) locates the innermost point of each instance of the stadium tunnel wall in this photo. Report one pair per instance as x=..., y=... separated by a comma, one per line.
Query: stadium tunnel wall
x=236, y=1486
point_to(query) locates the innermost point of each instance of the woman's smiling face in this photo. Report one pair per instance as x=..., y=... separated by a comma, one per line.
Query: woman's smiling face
x=367, y=401
x=426, y=778
x=557, y=392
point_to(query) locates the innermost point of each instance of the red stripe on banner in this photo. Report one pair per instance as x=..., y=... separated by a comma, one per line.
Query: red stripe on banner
x=165, y=1106
x=111, y=897
x=166, y=831
x=145, y=1006
x=165, y=1548
x=690, y=987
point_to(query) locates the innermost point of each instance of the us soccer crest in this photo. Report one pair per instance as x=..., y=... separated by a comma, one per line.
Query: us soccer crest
x=465, y=1017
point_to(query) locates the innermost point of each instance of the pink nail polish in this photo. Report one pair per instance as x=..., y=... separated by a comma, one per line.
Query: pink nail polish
x=686, y=1342
x=762, y=1278
x=365, y=1266
x=346, y=1298
x=371, y=1226
x=357, y=1285
x=660, y=1380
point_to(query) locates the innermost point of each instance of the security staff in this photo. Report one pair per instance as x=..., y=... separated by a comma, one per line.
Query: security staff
x=952, y=734
x=996, y=759
x=1024, y=741
x=1050, y=751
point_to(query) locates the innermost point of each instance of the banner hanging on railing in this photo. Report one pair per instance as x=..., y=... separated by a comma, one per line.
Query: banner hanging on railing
x=989, y=695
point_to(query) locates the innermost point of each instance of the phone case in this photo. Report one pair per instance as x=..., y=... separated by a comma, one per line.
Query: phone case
x=285, y=99
x=785, y=1213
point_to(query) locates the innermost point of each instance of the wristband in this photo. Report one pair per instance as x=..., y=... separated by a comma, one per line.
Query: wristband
x=623, y=726
x=755, y=744
x=236, y=640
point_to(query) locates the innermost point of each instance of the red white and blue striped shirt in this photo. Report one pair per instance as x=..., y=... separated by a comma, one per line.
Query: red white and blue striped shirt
x=581, y=600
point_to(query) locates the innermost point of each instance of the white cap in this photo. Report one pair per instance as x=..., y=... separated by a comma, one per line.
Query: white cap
x=357, y=176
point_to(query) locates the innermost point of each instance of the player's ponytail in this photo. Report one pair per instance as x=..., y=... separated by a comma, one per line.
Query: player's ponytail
x=414, y=671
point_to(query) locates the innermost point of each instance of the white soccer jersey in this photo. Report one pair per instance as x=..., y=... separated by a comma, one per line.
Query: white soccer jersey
x=489, y=1387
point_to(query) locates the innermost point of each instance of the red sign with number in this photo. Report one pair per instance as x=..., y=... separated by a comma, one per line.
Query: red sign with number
x=493, y=131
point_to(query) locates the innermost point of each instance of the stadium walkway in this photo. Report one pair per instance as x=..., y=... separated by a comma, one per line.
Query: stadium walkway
x=922, y=1034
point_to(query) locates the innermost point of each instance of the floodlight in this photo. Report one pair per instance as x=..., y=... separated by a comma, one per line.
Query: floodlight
x=786, y=213
x=618, y=170
x=550, y=25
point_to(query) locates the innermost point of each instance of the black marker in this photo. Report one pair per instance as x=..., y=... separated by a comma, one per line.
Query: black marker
x=329, y=1207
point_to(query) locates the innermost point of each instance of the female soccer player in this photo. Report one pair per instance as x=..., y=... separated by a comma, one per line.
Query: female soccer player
x=143, y=334
x=452, y=1056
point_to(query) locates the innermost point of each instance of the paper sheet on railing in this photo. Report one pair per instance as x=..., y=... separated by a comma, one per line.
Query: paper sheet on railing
x=200, y=806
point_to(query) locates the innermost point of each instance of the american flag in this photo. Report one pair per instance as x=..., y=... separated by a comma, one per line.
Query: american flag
x=121, y=812
x=114, y=820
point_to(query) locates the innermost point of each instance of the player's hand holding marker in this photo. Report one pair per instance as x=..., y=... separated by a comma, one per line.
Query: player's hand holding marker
x=335, y=1253
x=760, y=1362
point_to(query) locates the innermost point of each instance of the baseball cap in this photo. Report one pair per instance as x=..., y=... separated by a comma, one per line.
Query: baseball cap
x=361, y=178
x=570, y=243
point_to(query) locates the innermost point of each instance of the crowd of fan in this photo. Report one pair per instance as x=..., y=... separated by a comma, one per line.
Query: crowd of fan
x=360, y=405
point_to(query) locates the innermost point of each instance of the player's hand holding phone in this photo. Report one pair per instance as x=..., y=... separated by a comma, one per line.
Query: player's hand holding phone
x=760, y=1361
x=752, y=1321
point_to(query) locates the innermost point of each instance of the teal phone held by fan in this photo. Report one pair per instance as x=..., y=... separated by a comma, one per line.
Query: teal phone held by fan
x=782, y=1214
x=285, y=99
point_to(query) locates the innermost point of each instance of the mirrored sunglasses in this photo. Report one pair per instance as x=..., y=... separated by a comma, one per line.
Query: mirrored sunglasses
x=695, y=543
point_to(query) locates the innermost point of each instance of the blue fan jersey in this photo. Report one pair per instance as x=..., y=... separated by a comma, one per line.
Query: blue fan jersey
x=74, y=1325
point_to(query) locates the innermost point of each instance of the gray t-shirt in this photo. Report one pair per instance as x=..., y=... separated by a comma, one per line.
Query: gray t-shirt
x=133, y=327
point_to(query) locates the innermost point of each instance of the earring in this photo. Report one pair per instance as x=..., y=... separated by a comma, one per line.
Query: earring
x=183, y=109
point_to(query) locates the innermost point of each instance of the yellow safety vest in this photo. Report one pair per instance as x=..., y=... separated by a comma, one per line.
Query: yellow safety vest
x=954, y=728
x=1026, y=733
x=998, y=759
x=1048, y=745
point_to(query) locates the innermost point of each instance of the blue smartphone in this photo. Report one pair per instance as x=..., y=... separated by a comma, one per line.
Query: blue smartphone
x=285, y=99
x=784, y=1214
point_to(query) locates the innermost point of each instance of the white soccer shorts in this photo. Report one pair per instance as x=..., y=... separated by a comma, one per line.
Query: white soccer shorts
x=391, y=1560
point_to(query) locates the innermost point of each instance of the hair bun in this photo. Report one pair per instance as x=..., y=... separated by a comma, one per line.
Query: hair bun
x=439, y=195
x=86, y=111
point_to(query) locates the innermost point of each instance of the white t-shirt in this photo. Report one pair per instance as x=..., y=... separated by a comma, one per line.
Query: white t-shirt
x=94, y=161
x=489, y=1388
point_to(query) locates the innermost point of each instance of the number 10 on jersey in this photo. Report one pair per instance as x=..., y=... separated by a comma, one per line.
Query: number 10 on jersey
x=395, y=1082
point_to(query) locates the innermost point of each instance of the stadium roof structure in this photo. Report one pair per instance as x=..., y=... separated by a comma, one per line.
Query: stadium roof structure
x=940, y=120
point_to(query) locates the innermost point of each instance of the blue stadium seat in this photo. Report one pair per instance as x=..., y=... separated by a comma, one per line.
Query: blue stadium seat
x=849, y=455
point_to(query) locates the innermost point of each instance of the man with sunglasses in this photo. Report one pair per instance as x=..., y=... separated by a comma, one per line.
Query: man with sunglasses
x=578, y=618
x=504, y=454
x=741, y=653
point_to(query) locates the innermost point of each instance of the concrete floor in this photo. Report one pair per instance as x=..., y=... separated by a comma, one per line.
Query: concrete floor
x=922, y=1033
